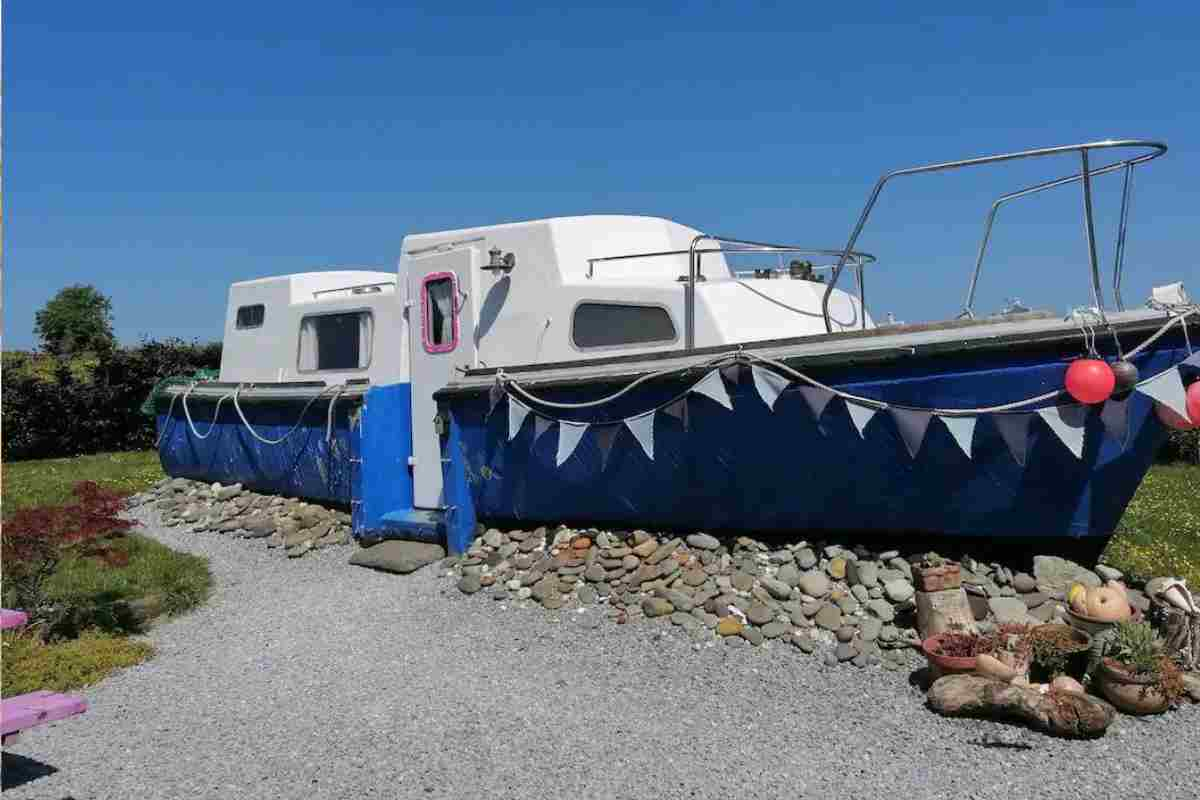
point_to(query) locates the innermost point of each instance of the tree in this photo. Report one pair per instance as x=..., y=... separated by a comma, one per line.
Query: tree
x=77, y=319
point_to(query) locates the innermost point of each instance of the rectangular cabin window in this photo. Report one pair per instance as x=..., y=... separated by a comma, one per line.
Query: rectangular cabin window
x=618, y=324
x=439, y=312
x=251, y=316
x=336, y=341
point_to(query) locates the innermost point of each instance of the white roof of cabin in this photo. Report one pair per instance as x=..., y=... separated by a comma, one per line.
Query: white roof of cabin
x=305, y=287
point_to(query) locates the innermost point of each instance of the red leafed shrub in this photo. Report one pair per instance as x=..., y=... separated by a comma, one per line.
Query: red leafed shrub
x=34, y=539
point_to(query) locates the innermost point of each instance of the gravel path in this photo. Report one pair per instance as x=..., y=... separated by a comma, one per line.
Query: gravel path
x=311, y=678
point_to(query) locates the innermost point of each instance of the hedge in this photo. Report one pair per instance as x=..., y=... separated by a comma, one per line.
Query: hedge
x=56, y=407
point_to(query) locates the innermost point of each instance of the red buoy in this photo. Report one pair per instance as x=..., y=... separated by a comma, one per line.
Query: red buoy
x=1090, y=380
x=1193, y=402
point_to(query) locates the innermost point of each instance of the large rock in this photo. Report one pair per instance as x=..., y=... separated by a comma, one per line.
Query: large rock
x=702, y=541
x=777, y=588
x=898, y=591
x=864, y=573
x=1054, y=574
x=393, y=555
x=814, y=584
x=1008, y=609
x=789, y=574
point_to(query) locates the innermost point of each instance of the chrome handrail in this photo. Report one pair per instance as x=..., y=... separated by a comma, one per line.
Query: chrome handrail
x=1127, y=165
x=746, y=246
x=860, y=258
x=1158, y=149
x=352, y=288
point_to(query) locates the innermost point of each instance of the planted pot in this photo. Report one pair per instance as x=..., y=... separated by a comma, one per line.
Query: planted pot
x=1133, y=694
x=935, y=579
x=1059, y=650
x=941, y=664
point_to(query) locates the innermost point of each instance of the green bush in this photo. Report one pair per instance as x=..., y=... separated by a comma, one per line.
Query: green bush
x=53, y=407
x=1182, y=446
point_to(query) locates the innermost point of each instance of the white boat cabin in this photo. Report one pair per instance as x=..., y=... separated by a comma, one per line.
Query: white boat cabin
x=566, y=289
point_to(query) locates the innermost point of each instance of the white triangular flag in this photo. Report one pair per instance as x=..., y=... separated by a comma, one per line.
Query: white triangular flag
x=912, y=424
x=540, y=425
x=1067, y=423
x=860, y=415
x=1115, y=416
x=1193, y=360
x=713, y=387
x=517, y=411
x=642, y=428
x=605, y=435
x=817, y=398
x=769, y=384
x=569, y=434
x=1014, y=429
x=1167, y=388
x=962, y=429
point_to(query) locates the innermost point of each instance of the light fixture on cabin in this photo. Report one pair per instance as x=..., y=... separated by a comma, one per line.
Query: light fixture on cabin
x=498, y=262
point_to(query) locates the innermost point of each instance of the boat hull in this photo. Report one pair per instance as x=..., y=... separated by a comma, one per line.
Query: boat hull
x=306, y=464
x=784, y=470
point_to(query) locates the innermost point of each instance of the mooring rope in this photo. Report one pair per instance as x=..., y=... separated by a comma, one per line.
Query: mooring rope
x=188, y=414
x=237, y=406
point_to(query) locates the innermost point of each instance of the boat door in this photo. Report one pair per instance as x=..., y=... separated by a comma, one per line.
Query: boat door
x=441, y=340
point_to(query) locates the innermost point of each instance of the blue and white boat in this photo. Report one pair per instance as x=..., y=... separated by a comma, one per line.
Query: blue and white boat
x=628, y=371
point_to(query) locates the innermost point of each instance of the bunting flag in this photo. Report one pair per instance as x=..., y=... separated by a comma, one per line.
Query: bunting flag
x=860, y=415
x=912, y=424
x=517, y=411
x=1115, y=416
x=1192, y=361
x=732, y=373
x=1014, y=429
x=963, y=431
x=817, y=398
x=495, y=395
x=605, y=436
x=1167, y=388
x=712, y=387
x=1067, y=422
x=569, y=434
x=540, y=425
x=678, y=410
x=642, y=429
x=769, y=384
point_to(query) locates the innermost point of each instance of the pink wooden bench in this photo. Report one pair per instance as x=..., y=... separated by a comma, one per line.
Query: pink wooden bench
x=36, y=708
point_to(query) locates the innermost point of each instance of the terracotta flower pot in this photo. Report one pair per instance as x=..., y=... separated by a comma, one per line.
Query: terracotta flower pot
x=1130, y=693
x=935, y=579
x=945, y=665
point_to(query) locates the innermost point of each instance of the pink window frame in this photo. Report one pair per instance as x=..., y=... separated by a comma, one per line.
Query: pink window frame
x=430, y=347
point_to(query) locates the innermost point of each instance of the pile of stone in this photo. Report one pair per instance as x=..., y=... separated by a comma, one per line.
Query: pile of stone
x=292, y=525
x=996, y=593
x=740, y=591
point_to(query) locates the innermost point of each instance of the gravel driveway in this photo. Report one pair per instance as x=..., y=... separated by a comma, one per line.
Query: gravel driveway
x=311, y=678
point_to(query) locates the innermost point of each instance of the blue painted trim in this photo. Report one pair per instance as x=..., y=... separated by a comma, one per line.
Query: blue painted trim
x=387, y=486
x=456, y=488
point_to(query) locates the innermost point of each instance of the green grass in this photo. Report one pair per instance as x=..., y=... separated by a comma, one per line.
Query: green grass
x=29, y=664
x=49, y=482
x=1160, y=532
x=178, y=581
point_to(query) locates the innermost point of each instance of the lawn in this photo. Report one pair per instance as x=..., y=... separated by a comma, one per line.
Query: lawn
x=95, y=591
x=1160, y=532
x=49, y=482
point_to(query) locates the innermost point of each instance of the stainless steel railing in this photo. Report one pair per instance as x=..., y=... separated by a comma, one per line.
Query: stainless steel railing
x=854, y=259
x=1085, y=177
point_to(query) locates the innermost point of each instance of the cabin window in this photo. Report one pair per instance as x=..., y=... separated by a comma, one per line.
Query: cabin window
x=251, y=316
x=618, y=324
x=439, y=312
x=336, y=341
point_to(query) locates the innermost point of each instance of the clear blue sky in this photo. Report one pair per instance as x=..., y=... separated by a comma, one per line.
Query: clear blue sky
x=161, y=151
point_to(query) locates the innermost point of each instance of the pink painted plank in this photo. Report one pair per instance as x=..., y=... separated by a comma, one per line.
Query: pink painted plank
x=12, y=619
x=37, y=708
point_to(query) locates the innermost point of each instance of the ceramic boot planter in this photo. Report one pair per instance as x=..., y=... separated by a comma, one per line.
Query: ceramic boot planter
x=1131, y=694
